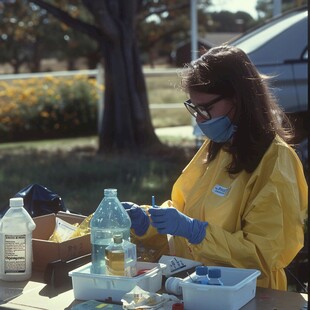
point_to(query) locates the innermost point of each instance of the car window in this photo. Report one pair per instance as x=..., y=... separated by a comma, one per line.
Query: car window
x=253, y=40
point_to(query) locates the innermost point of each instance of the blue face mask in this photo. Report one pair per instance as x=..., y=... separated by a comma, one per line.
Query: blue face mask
x=219, y=129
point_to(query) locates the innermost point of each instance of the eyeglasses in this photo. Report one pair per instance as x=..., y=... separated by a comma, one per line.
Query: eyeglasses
x=201, y=109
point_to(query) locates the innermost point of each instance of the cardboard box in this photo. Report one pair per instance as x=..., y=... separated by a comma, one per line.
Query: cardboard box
x=45, y=251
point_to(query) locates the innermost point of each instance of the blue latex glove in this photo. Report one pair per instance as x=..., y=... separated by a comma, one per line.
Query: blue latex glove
x=139, y=219
x=171, y=221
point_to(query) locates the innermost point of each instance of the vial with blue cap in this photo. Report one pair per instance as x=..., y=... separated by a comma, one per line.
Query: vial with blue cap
x=201, y=275
x=215, y=277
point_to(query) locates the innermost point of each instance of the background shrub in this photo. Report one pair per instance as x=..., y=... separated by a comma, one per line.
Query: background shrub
x=48, y=108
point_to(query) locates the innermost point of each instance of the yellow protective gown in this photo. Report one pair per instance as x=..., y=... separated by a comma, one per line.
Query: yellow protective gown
x=255, y=219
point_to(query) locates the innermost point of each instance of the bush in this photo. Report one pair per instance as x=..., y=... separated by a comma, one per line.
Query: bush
x=48, y=108
x=53, y=107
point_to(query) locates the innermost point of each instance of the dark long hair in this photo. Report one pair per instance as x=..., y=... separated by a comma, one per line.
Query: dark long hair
x=227, y=70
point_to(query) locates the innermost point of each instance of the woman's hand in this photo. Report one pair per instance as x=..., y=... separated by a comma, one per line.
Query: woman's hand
x=139, y=219
x=171, y=221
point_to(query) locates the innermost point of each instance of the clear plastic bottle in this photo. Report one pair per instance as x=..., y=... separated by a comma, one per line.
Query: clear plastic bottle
x=215, y=277
x=121, y=257
x=108, y=220
x=16, y=228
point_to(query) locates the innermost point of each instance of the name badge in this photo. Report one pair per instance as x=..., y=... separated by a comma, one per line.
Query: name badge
x=220, y=190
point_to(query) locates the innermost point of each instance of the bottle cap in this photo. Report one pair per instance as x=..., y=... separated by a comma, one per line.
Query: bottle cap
x=118, y=238
x=110, y=192
x=16, y=202
x=215, y=273
x=178, y=306
x=201, y=270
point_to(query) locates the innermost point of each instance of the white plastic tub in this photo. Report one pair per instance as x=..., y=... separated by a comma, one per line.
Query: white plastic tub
x=239, y=287
x=103, y=287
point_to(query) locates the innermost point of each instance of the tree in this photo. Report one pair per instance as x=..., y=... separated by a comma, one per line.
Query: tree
x=20, y=35
x=126, y=122
x=265, y=7
x=74, y=45
x=225, y=21
x=29, y=34
x=159, y=26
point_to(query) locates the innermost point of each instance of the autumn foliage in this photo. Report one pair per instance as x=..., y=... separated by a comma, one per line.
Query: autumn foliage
x=48, y=107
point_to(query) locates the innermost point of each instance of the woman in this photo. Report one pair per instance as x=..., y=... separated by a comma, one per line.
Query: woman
x=242, y=199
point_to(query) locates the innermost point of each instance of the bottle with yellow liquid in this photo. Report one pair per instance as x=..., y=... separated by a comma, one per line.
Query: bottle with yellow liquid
x=121, y=257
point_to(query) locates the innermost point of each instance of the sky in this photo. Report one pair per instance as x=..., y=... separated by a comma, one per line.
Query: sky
x=234, y=6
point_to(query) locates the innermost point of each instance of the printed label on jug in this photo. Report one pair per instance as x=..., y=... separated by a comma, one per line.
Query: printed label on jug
x=15, y=253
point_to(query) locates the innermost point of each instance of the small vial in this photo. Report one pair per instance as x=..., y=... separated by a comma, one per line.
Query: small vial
x=115, y=257
x=215, y=277
x=121, y=257
x=202, y=275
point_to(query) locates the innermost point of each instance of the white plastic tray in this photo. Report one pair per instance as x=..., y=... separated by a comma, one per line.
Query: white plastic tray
x=112, y=288
x=239, y=287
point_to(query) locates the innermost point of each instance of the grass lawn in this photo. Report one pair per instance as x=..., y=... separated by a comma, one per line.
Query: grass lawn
x=73, y=169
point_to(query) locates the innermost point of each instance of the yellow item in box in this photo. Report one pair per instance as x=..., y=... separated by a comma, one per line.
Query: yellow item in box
x=84, y=228
x=65, y=231
x=46, y=251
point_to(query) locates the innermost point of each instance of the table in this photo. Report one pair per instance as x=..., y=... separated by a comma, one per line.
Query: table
x=35, y=294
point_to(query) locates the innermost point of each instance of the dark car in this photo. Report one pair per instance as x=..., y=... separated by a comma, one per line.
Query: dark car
x=279, y=48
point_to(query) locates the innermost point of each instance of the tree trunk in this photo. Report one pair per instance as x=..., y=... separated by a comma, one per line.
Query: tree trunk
x=126, y=125
x=71, y=64
x=34, y=63
x=126, y=122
